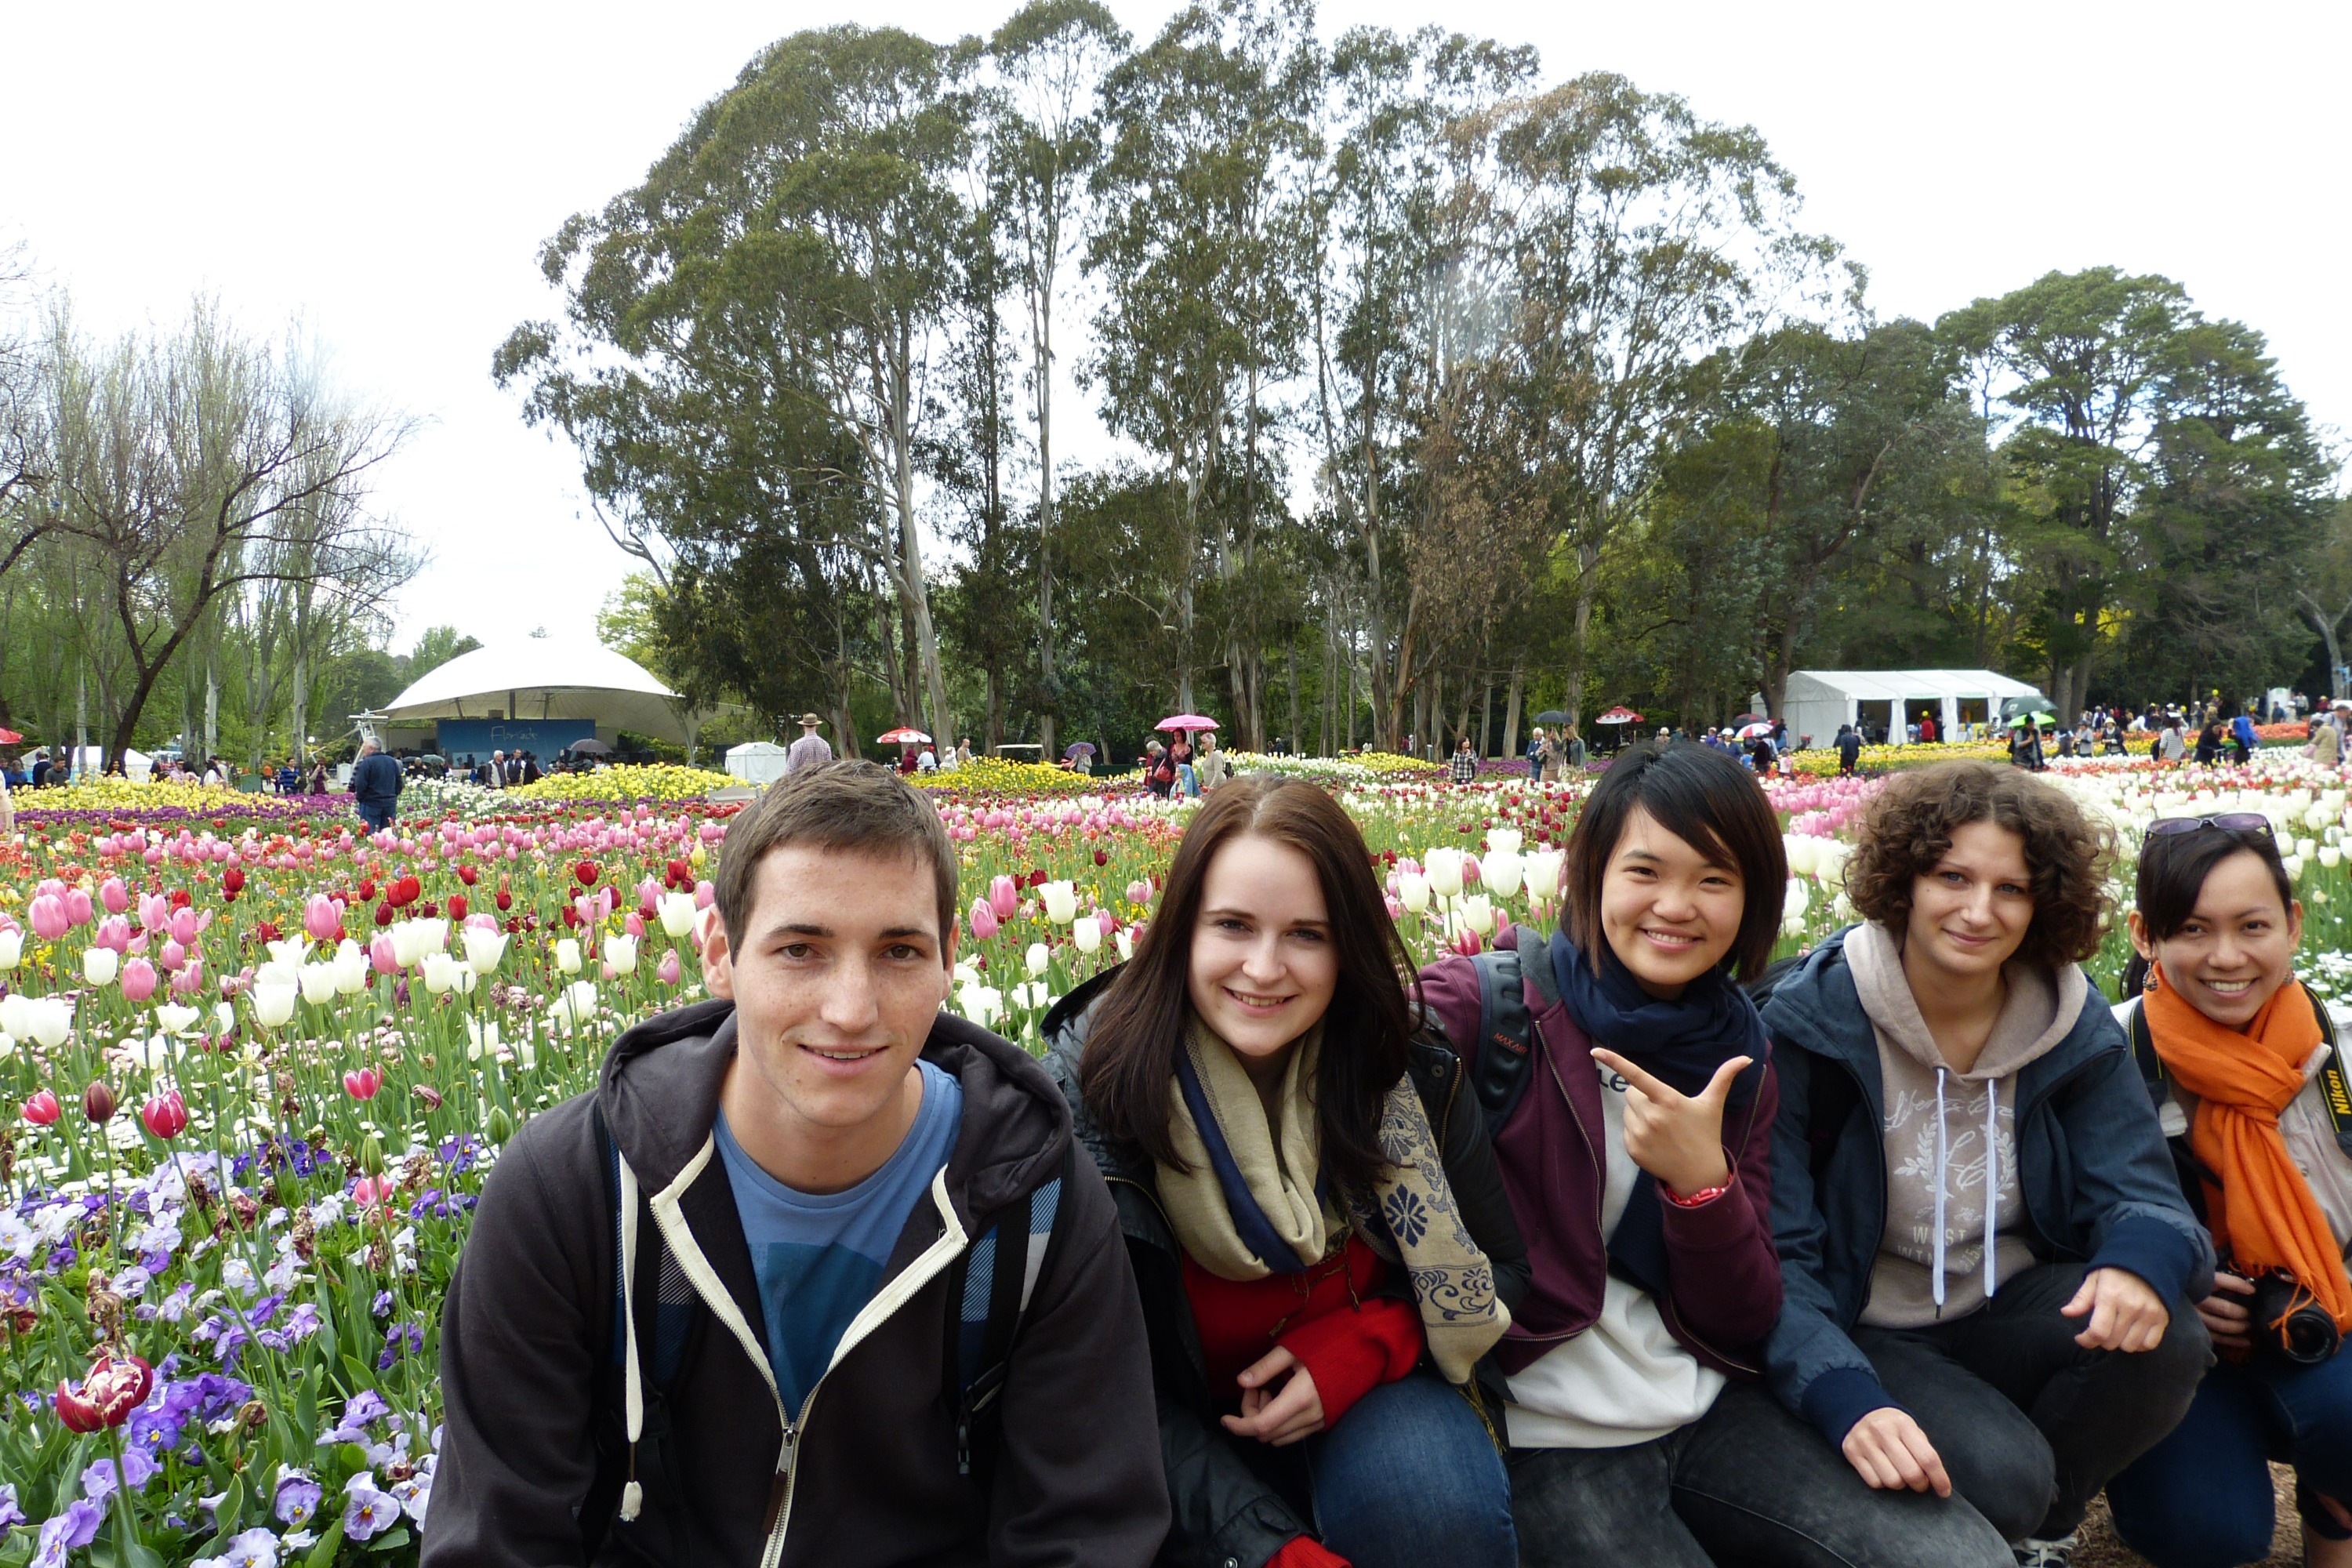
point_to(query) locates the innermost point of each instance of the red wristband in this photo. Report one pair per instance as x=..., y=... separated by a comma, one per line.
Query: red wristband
x=1697, y=1200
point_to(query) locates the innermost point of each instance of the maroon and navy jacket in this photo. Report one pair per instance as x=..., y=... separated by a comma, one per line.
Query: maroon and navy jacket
x=1722, y=1276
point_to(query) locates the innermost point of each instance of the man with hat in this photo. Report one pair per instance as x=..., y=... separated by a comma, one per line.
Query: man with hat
x=811, y=750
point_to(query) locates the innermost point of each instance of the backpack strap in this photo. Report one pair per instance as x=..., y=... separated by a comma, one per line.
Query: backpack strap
x=1000, y=1274
x=1499, y=1071
x=2151, y=1065
x=2334, y=1088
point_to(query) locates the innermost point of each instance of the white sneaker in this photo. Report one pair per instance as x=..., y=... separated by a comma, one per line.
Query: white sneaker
x=2058, y=1554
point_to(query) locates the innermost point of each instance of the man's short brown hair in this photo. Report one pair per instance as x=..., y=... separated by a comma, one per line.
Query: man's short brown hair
x=849, y=806
x=2068, y=855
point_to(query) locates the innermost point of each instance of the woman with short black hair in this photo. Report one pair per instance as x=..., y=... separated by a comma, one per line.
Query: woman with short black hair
x=1989, y=1265
x=2252, y=1093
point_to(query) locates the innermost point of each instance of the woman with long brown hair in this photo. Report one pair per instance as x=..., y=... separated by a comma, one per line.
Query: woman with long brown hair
x=1321, y=1239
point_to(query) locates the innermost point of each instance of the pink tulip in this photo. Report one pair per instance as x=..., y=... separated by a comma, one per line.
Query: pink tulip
x=113, y=932
x=189, y=979
x=138, y=980
x=78, y=908
x=173, y=956
x=1396, y=907
x=184, y=927
x=634, y=925
x=370, y=1191
x=155, y=909
x=381, y=956
x=984, y=923
x=321, y=917
x=670, y=971
x=705, y=895
x=48, y=912
x=1003, y=896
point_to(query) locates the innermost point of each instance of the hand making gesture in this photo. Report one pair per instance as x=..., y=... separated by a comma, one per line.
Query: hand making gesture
x=1677, y=1137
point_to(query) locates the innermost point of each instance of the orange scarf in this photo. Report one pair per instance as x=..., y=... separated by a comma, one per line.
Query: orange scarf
x=2262, y=1214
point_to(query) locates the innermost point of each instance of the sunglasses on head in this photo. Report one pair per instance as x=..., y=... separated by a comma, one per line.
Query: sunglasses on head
x=2228, y=822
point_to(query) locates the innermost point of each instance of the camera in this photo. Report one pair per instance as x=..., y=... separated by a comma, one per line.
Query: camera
x=2305, y=1335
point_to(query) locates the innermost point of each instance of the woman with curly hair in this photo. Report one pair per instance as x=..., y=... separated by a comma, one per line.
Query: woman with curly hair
x=1990, y=1271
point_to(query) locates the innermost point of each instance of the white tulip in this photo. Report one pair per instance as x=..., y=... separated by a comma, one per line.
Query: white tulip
x=290, y=954
x=1443, y=869
x=440, y=973
x=575, y=1005
x=273, y=1003
x=484, y=949
x=983, y=1004
x=1803, y=851
x=349, y=967
x=1478, y=913
x=317, y=984
x=677, y=911
x=1503, y=841
x=621, y=952
x=1123, y=939
x=412, y=940
x=480, y=1037
x=526, y=1051
x=100, y=965
x=224, y=1019
x=1540, y=871
x=1038, y=958
x=1501, y=871
x=16, y=1015
x=12, y=951
x=51, y=1021
x=567, y=955
x=1061, y=902
x=1795, y=903
x=174, y=1019
x=1413, y=891
x=1087, y=934
x=2293, y=866
x=2331, y=856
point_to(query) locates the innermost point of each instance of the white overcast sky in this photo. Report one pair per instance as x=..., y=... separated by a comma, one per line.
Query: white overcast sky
x=384, y=176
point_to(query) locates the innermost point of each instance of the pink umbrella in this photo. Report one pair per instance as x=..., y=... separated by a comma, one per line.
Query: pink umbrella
x=901, y=737
x=1187, y=721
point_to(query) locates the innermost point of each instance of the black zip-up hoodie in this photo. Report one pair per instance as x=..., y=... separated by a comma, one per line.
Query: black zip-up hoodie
x=534, y=1453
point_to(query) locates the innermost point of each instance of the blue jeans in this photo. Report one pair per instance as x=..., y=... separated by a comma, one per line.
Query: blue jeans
x=377, y=815
x=2201, y=1499
x=1409, y=1478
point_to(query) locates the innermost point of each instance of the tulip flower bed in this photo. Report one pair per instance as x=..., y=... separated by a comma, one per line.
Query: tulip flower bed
x=253, y=1076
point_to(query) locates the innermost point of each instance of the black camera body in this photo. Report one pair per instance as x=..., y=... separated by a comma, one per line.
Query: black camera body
x=2303, y=1335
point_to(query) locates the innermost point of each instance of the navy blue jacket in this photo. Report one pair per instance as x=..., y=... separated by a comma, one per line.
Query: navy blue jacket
x=2096, y=1179
x=376, y=779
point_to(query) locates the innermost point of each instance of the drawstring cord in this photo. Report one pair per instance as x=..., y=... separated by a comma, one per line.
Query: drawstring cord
x=1992, y=1181
x=1943, y=1161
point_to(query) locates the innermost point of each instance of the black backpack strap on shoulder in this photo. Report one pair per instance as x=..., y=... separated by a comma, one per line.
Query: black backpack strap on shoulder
x=996, y=1277
x=1506, y=1036
x=2334, y=1087
x=2151, y=1065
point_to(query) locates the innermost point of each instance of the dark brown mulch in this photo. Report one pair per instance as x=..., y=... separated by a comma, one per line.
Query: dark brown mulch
x=2101, y=1549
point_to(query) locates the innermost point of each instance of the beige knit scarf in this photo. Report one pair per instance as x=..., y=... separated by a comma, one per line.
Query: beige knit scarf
x=1411, y=1218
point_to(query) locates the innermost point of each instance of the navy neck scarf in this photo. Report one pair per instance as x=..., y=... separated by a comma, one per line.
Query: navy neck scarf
x=1682, y=1042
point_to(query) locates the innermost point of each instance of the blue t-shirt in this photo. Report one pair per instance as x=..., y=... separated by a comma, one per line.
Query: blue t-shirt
x=819, y=1256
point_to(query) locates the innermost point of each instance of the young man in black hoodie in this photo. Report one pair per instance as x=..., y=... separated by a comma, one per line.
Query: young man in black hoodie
x=810, y=1158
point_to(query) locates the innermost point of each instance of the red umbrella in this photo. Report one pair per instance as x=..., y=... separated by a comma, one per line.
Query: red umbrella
x=1187, y=721
x=1619, y=716
x=901, y=737
x=9, y=737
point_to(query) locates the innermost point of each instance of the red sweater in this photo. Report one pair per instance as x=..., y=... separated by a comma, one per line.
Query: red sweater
x=1350, y=1341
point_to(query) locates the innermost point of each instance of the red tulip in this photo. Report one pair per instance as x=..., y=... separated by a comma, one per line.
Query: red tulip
x=42, y=1109
x=167, y=1115
x=457, y=907
x=267, y=931
x=233, y=881
x=383, y=914
x=505, y=899
x=586, y=872
x=1101, y=859
x=468, y=875
x=107, y=1396
x=403, y=892
x=98, y=1101
x=361, y=1083
x=366, y=891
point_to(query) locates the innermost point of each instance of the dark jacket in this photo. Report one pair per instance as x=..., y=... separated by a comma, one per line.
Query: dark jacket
x=2092, y=1169
x=1224, y=1514
x=533, y=1456
x=1720, y=1288
x=376, y=779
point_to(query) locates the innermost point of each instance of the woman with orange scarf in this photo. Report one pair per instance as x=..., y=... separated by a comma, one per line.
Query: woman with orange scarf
x=2242, y=1059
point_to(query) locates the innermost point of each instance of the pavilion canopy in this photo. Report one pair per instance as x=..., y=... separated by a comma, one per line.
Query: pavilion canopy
x=544, y=678
x=1818, y=700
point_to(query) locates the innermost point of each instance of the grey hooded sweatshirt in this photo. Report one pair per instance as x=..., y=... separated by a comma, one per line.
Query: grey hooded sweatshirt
x=1946, y=1130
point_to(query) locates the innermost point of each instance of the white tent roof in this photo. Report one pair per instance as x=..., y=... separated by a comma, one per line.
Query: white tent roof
x=546, y=678
x=1906, y=685
x=757, y=749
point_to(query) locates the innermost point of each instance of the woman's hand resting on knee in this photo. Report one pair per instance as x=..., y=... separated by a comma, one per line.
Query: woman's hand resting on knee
x=1282, y=1417
x=1887, y=1448
x=2126, y=1314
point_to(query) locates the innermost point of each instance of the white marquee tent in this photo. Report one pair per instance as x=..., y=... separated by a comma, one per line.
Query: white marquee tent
x=542, y=678
x=1818, y=700
x=756, y=762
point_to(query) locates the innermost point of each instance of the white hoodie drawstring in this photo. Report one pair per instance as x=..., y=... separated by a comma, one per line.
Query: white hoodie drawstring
x=1943, y=1158
x=1992, y=1174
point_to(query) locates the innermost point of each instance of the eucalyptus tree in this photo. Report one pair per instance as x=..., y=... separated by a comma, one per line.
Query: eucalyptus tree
x=1050, y=57
x=1639, y=239
x=2080, y=359
x=1198, y=239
